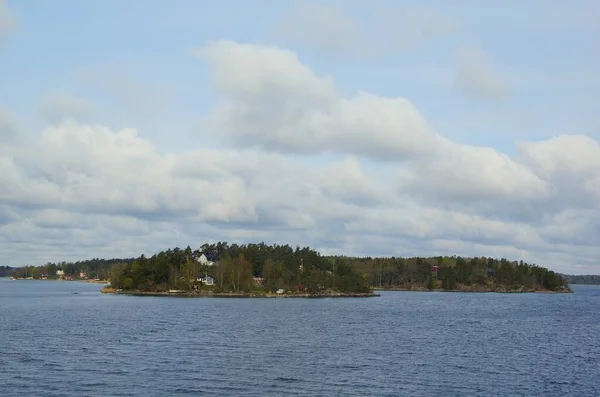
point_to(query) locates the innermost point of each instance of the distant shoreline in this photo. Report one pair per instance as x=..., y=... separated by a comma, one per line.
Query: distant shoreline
x=210, y=294
x=59, y=279
x=477, y=290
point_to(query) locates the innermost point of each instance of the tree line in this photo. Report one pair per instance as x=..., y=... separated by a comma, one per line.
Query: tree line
x=456, y=272
x=6, y=271
x=95, y=268
x=292, y=268
x=588, y=279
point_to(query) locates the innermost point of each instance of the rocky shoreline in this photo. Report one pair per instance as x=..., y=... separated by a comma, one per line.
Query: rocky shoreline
x=210, y=294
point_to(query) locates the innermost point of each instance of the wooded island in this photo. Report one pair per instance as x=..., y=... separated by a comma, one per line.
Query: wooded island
x=261, y=270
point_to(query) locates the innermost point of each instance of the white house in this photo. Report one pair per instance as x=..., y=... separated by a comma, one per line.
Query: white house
x=207, y=280
x=60, y=273
x=203, y=261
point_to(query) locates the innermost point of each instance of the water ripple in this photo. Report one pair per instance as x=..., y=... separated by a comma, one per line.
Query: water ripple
x=54, y=343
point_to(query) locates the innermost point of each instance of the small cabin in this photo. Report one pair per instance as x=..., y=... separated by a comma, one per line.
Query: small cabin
x=208, y=280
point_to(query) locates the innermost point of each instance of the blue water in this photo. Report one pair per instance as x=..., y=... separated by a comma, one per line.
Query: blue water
x=56, y=343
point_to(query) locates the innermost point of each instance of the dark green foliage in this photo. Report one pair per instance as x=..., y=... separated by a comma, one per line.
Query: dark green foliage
x=235, y=267
x=463, y=271
x=448, y=276
x=347, y=280
x=6, y=271
x=431, y=283
x=552, y=281
x=457, y=273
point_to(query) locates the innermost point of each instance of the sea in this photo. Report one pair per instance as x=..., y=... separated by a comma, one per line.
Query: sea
x=67, y=339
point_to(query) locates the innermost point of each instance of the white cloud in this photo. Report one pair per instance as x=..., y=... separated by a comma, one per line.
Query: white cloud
x=469, y=174
x=7, y=22
x=99, y=188
x=271, y=100
x=572, y=154
x=476, y=77
x=79, y=190
x=571, y=163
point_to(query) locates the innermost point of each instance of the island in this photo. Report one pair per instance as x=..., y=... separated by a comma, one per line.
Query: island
x=250, y=270
x=262, y=270
x=92, y=270
x=459, y=274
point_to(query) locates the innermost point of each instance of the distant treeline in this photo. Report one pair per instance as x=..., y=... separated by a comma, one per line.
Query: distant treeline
x=6, y=271
x=457, y=273
x=583, y=279
x=95, y=268
x=282, y=266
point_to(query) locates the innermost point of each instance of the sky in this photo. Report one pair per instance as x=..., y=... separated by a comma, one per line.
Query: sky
x=359, y=128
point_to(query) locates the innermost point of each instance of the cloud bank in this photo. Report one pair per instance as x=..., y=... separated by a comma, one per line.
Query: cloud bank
x=298, y=162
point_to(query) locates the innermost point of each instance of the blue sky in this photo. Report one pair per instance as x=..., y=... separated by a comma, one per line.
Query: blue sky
x=548, y=60
x=481, y=76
